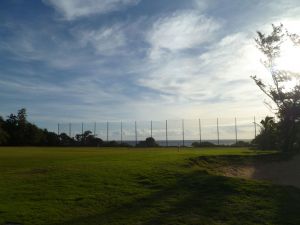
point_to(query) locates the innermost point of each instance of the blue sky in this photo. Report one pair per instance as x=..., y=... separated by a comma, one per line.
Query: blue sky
x=97, y=60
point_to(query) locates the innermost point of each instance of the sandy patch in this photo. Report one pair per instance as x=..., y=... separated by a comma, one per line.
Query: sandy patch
x=281, y=172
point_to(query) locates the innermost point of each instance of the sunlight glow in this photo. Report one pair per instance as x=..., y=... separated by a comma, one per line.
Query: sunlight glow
x=289, y=58
x=289, y=61
x=290, y=85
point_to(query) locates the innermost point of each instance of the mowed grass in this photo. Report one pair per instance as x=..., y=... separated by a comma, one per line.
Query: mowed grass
x=64, y=186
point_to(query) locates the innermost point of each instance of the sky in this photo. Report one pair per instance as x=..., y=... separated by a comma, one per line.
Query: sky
x=98, y=60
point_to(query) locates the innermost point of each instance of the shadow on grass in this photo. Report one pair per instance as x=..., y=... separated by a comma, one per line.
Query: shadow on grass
x=203, y=198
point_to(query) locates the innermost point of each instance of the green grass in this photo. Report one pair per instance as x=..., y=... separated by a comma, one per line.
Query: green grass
x=64, y=186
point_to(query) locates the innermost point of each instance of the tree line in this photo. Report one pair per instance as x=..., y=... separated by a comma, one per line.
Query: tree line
x=16, y=130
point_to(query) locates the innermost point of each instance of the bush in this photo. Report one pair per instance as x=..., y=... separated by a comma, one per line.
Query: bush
x=241, y=144
x=203, y=144
x=268, y=137
x=149, y=142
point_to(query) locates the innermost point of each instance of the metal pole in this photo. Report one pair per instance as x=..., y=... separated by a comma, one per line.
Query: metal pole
x=121, y=132
x=183, y=132
x=82, y=129
x=70, y=130
x=167, y=133
x=95, y=126
x=58, y=129
x=107, y=131
x=135, y=133
x=218, y=131
x=151, y=128
x=235, y=126
x=200, y=131
x=254, y=127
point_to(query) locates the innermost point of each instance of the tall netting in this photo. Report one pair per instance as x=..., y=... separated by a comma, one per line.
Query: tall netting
x=175, y=132
x=225, y=130
x=245, y=128
x=143, y=130
x=166, y=132
x=209, y=131
x=128, y=131
x=101, y=130
x=159, y=131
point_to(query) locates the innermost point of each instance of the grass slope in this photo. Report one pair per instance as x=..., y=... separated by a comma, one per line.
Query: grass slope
x=62, y=186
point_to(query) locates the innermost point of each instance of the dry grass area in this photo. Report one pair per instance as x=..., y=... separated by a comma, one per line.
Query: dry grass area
x=286, y=172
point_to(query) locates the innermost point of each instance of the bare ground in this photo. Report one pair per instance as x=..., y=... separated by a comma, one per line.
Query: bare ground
x=279, y=172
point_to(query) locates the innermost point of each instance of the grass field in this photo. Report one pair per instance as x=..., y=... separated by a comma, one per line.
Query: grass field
x=66, y=186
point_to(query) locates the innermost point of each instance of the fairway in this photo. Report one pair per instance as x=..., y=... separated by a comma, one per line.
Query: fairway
x=63, y=186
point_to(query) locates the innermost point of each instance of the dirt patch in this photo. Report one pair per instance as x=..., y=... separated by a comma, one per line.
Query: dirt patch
x=285, y=172
x=35, y=171
x=239, y=171
x=39, y=171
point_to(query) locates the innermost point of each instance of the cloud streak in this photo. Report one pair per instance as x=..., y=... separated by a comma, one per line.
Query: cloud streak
x=182, y=30
x=74, y=9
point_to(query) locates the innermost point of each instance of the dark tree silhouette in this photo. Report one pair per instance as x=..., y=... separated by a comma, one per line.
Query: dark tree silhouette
x=17, y=131
x=268, y=137
x=287, y=101
x=149, y=142
x=3, y=134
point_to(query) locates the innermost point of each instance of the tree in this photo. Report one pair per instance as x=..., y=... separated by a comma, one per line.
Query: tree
x=50, y=138
x=11, y=126
x=33, y=136
x=149, y=142
x=88, y=139
x=3, y=134
x=65, y=140
x=268, y=137
x=287, y=101
x=22, y=132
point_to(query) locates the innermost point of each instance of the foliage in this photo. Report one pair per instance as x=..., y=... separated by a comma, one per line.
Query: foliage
x=110, y=144
x=241, y=144
x=149, y=142
x=203, y=144
x=268, y=137
x=3, y=134
x=17, y=131
x=51, y=139
x=88, y=139
x=287, y=101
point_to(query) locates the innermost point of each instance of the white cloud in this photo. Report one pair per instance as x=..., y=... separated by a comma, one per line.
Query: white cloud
x=202, y=5
x=183, y=30
x=73, y=9
x=202, y=82
x=105, y=41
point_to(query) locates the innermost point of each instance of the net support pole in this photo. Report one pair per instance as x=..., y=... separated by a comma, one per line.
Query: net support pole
x=254, y=127
x=218, y=133
x=235, y=127
x=200, y=138
x=151, y=128
x=107, y=130
x=70, y=129
x=121, y=132
x=135, y=127
x=183, y=132
x=167, y=133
